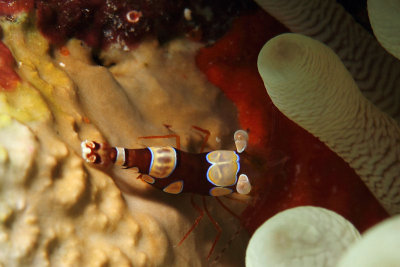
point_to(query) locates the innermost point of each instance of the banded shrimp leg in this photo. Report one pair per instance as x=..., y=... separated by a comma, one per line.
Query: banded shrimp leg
x=204, y=209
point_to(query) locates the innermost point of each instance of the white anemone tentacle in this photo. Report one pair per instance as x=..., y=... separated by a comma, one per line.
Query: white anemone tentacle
x=379, y=246
x=309, y=84
x=384, y=16
x=376, y=72
x=301, y=237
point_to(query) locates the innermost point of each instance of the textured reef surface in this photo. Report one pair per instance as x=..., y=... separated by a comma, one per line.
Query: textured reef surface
x=117, y=70
x=101, y=23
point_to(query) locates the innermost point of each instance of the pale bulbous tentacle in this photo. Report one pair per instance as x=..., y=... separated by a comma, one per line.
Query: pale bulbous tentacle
x=376, y=72
x=379, y=246
x=310, y=85
x=301, y=237
x=384, y=16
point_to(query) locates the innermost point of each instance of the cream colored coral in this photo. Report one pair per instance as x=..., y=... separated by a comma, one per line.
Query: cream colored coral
x=385, y=21
x=375, y=71
x=53, y=211
x=18, y=149
x=60, y=212
x=140, y=91
x=150, y=84
x=379, y=246
x=303, y=236
x=310, y=85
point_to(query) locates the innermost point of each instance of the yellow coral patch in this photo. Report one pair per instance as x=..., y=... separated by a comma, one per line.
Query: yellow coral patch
x=24, y=104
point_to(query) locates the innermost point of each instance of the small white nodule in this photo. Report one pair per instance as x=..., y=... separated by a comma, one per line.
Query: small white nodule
x=241, y=137
x=243, y=185
x=134, y=16
x=187, y=13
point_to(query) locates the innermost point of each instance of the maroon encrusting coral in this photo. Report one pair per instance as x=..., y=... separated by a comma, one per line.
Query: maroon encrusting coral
x=8, y=77
x=102, y=22
x=298, y=169
x=9, y=7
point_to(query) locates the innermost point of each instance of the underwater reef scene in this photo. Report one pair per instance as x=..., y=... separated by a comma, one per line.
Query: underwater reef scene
x=115, y=71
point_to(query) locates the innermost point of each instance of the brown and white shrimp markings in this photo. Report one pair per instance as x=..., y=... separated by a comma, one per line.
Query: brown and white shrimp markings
x=215, y=173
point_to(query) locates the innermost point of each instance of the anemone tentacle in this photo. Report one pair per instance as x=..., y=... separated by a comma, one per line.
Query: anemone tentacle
x=307, y=81
x=385, y=22
x=366, y=60
x=303, y=237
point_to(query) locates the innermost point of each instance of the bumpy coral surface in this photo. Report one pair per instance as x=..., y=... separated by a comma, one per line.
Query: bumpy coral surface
x=101, y=23
x=57, y=210
x=54, y=210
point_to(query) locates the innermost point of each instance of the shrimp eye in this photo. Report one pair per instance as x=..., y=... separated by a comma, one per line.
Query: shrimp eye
x=243, y=185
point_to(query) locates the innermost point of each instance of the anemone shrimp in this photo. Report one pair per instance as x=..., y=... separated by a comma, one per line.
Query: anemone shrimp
x=215, y=173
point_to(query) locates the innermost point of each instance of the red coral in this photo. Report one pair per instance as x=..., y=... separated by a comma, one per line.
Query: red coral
x=9, y=7
x=100, y=23
x=8, y=77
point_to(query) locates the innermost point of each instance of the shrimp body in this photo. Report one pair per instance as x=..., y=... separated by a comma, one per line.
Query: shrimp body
x=214, y=173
